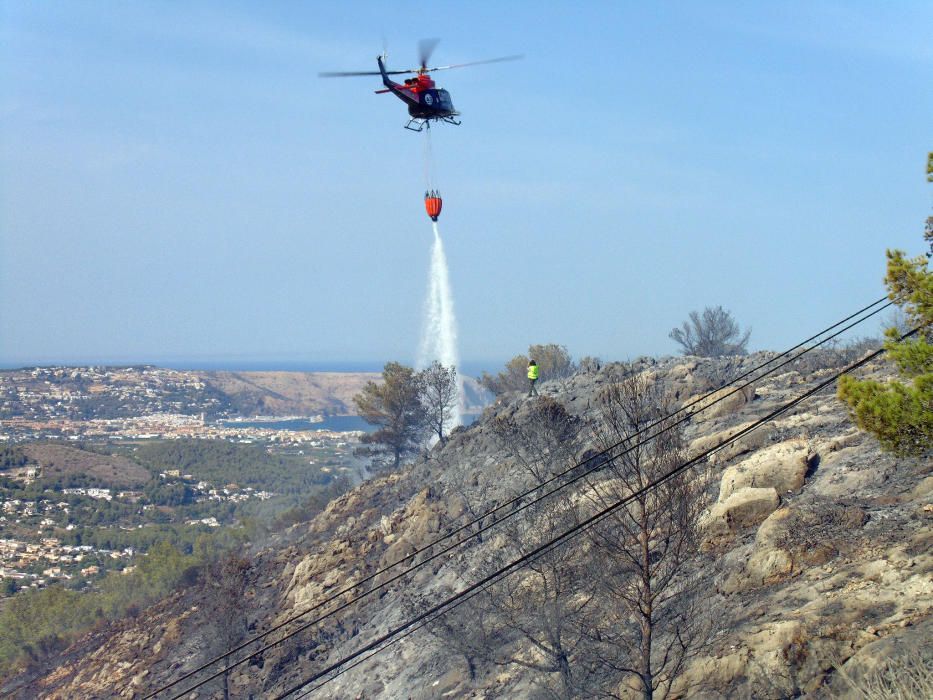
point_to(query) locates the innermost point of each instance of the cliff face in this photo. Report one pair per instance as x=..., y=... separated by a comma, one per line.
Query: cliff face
x=815, y=556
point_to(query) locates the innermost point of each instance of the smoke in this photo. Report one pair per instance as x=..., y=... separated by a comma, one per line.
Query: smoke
x=439, y=334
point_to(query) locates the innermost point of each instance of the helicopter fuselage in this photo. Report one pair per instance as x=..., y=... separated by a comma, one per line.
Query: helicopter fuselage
x=424, y=100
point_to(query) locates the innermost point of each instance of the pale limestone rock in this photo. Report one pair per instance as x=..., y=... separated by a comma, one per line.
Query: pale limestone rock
x=752, y=441
x=706, y=668
x=450, y=684
x=456, y=507
x=770, y=647
x=806, y=422
x=396, y=552
x=782, y=467
x=300, y=589
x=844, y=441
x=751, y=505
x=682, y=372
x=767, y=566
x=747, y=506
x=924, y=489
x=768, y=562
x=721, y=403
x=139, y=677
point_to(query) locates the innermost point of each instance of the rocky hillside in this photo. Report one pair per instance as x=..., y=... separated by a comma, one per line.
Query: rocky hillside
x=289, y=393
x=303, y=393
x=814, y=555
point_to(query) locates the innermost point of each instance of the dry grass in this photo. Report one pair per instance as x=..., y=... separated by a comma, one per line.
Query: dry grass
x=906, y=677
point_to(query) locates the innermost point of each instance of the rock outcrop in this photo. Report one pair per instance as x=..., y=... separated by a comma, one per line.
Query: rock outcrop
x=742, y=508
x=782, y=467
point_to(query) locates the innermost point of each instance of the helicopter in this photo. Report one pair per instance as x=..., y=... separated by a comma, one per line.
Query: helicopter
x=426, y=102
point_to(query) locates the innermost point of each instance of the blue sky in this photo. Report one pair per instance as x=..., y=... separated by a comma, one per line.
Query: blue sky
x=176, y=182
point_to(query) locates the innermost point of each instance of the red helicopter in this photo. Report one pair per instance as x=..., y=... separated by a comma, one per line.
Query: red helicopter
x=426, y=102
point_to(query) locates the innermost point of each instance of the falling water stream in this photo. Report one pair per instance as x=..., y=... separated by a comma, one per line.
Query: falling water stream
x=439, y=334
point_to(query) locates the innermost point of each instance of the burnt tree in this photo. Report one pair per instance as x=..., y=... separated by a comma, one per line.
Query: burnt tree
x=646, y=621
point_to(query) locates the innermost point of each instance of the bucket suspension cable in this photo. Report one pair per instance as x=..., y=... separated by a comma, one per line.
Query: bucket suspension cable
x=428, y=159
x=432, y=198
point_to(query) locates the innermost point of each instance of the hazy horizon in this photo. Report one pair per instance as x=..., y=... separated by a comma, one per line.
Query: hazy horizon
x=245, y=364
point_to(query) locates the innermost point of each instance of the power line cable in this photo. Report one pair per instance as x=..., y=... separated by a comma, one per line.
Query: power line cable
x=458, y=598
x=591, y=460
x=396, y=640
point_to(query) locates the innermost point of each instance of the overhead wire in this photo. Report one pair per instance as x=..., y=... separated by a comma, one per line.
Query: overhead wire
x=458, y=598
x=593, y=460
x=396, y=640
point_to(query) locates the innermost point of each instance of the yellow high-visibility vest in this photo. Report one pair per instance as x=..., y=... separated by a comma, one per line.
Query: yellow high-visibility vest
x=532, y=371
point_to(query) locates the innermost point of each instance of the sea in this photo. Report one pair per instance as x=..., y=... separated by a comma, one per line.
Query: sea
x=339, y=424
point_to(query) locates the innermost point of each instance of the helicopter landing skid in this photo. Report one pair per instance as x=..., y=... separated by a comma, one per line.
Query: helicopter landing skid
x=419, y=124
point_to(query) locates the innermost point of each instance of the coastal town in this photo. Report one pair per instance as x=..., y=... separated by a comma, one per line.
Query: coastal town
x=79, y=498
x=38, y=538
x=52, y=394
x=137, y=403
x=165, y=426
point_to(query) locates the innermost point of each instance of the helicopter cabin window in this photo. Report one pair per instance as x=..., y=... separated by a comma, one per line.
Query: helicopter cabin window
x=443, y=97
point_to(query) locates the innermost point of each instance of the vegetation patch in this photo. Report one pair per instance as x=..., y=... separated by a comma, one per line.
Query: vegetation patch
x=37, y=624
x=60, y=461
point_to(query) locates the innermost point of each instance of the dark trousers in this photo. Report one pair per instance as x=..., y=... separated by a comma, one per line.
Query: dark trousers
x=531, y=389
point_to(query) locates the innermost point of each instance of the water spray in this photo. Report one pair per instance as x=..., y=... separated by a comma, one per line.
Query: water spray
x=439, y=334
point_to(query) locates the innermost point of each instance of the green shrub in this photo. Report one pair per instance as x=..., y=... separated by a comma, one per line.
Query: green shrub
x=554, y=362
x=37, y=624
x=900, y=414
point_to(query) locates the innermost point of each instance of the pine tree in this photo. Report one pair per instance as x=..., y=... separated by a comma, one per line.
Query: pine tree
x=900, y=413
x=395, y=407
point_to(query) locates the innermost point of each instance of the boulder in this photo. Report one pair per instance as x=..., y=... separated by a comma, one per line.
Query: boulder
x=724, y=402
x=754, y=440
x=684, y=380
x=397, y=551
x=782, y=467
x=844, y=441
x=768, y=562
x=924, y=489
x=792, y=539
x=743, y=508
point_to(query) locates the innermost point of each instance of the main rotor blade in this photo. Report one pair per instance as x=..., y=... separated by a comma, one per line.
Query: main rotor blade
x=425, y=49
x=347, y=74
x=477, y=63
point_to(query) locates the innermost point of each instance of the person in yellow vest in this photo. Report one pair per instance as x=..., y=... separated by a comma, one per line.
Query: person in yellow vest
x=532, y=377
